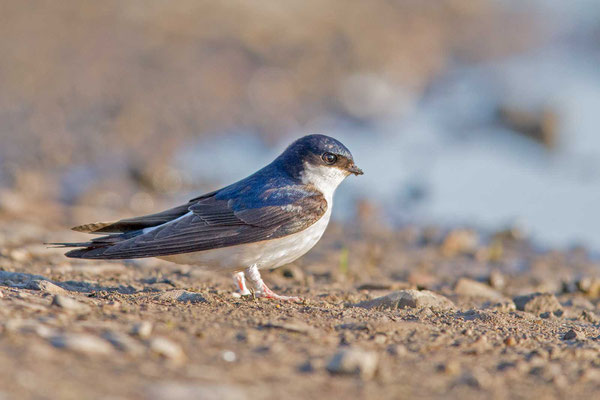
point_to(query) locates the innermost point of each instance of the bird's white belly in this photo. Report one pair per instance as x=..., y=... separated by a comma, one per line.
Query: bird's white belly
x=264, y=254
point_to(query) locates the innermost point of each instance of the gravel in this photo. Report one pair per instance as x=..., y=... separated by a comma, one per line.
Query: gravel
x=409, y=298
x=167, y=348
x=471, y=288
x=573, y=335
x=182, y=296
x=82, y=343
x=46, y=287
x=124, y=342
x=142, y=329
x=541, y=304
x=354, y=362
x=70, y=304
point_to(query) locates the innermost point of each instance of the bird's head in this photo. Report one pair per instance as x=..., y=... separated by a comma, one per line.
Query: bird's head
x=319, y=160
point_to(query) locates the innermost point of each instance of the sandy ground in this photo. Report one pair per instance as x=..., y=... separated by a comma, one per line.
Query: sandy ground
x=72, y=329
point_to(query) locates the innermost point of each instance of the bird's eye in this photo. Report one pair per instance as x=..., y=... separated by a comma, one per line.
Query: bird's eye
x=329, y=158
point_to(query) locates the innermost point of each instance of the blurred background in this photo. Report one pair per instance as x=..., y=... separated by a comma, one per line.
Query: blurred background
x=481, y=113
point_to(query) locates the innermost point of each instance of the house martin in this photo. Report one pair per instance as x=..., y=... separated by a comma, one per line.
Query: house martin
x=266, y=220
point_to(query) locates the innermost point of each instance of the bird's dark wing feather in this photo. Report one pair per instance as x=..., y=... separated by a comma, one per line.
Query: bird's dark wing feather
x=211, y=223
x=137, y=223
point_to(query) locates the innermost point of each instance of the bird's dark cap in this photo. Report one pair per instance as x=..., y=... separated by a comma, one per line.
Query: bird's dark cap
x=311, y=149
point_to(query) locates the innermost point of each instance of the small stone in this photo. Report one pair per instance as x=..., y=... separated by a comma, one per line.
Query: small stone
x=181, y=295
x=45, y=286
x=503, y=306
x=142, y=329
x=291, y=326
x=70, y=304
x=478, y=378
x=28, y=326
x=589, y=286
x=590, y=316
x=510, y=341
x=81, y=343
x=573, y=335
x=229, y=356
x=397, y=350
x=19, y=255
x=540, y=124
x=168, y=349
x=450, y=368
x=471, y=288
x=539, y=303
x=409, y=298
x=1, y=294
x=124, y=343
x=479, y=346
x=354, y=362
x=497, y=280
x=460, y=241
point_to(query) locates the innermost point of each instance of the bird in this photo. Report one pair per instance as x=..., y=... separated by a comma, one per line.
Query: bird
x=265, y=220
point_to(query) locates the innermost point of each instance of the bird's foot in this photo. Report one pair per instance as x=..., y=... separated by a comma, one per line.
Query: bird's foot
x=261, y=289
x=267, y=293
x=240, y=282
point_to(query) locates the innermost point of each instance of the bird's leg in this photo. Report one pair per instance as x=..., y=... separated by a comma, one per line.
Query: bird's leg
x=261, y=289
x=240, y=282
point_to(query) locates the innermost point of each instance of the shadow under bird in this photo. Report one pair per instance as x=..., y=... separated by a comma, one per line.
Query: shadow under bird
x=266, y=220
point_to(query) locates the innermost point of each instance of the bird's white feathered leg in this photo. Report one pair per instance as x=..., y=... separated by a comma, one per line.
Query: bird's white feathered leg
x=261, y=289
x=240, y=282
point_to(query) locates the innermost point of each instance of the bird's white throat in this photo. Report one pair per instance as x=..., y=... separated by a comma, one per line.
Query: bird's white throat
x=325, y=178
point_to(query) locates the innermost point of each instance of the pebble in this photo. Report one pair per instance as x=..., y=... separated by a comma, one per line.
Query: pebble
x=28, y=326
x=573, y=335
x=409, y=298
x=177, y=391
x=168, y=349
x=539, y=303
x=291, y=326
x=452, y=368
x=397, y=350
x=45, y=286
x=181, y=295
x=497, y=280
x=70, y=304
x=142, y=329
x=471, y=288
x=228, y=356
x=82, y=343
x=124, y=342
x=19, y=255
x=1, y=294
x=354, y=362
x=590, y=316
x=589, y=286
x=510, y=341
x=460, y=241
x=477, y=378
x=503, y=306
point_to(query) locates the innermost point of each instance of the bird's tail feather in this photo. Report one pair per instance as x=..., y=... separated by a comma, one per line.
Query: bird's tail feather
x=94, y=248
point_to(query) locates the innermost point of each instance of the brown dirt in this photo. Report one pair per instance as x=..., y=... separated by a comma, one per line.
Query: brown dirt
x=219, y=346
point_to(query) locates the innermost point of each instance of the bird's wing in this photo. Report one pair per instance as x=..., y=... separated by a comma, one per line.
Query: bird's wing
x=137, y=223
x=210, y=223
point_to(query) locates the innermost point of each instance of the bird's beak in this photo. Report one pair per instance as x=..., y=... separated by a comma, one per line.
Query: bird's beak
x=353, y=169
